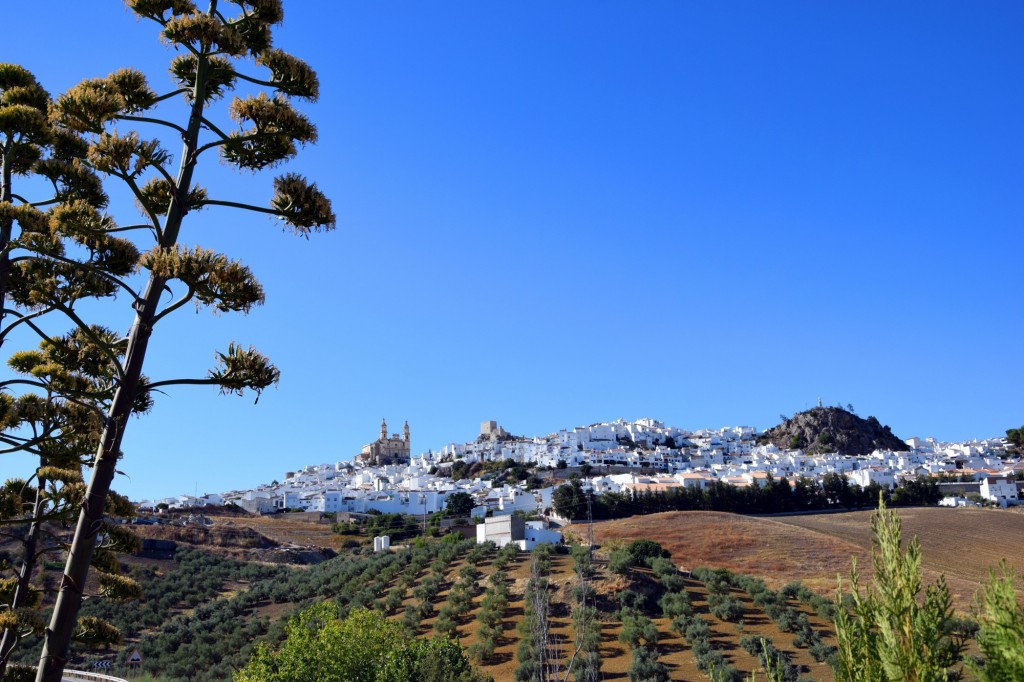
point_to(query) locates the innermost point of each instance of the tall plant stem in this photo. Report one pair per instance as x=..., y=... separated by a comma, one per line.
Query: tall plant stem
x=57, y=637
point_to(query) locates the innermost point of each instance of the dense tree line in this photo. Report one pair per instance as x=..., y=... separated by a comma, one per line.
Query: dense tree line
x=397, y=526
x=772, y=497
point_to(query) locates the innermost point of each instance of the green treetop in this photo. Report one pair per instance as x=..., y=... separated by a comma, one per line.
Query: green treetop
x=364, y=647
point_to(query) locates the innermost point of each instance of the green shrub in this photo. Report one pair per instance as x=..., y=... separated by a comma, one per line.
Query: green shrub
x=620, y=561
x=791, y=590
x=637, y=630
x=1001, y=629
x=725, y=607
x=318, y=646
x=632, y=601
x=481, y=651
x=645, y=667
x=787, y=620
x=711, y=660
x=411, y=618
x=726, y=673
x=697, y=628
x=751, y=644
x=445, y=624
x=675, y=604
x=680, y=623
x=662, y=567
x=673, y=582
x=821, y=651
x=645, y=551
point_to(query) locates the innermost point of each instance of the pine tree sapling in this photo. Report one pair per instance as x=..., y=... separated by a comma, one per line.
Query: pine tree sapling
x=1001, y=629
x=893, y=632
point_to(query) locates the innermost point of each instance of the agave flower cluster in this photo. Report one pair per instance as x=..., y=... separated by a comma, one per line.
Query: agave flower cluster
x=56, y=251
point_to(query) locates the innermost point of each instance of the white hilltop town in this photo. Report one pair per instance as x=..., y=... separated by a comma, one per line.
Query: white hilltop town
x=619, y=456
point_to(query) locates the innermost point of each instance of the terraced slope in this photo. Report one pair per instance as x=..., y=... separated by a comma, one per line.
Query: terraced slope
x=674, y=650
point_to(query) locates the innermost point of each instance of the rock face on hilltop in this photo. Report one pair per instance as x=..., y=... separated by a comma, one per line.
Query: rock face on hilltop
x=832, y=429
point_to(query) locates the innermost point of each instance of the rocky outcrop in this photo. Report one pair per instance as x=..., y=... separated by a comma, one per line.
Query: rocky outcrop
x=293, y=555
x=832, y=429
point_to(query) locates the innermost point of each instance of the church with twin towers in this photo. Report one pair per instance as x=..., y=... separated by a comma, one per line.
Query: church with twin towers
x=387, y=450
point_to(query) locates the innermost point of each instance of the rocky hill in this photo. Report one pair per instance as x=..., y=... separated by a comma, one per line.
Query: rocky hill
x=832, y=429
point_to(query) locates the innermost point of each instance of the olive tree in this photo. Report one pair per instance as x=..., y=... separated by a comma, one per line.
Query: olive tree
x=217, y=51
x=362, y=646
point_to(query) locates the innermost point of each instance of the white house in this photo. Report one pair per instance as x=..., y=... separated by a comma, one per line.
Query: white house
x=956, y=501
x=1000, y=490
x=504, y=530
x=288, y=499
x=256, y=502
x=865, y=477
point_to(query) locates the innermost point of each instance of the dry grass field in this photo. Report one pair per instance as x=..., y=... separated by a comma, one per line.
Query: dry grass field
x=285, y=529
x=962, y=544
x=767, y=548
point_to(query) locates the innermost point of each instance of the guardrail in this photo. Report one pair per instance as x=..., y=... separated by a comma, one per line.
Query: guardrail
x=82, y=676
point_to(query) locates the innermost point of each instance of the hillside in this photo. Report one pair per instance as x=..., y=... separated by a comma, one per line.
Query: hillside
x=203, y=613
x=772, y=550
x=963, y=544
x=832, y=429
x=815, y=548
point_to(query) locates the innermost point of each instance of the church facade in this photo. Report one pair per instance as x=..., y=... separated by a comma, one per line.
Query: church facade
x=387, y=450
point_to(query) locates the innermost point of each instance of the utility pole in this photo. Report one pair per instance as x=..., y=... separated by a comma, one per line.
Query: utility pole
x=590, y=526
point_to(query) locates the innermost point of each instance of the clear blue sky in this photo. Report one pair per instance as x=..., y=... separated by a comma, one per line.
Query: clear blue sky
x=552, y=214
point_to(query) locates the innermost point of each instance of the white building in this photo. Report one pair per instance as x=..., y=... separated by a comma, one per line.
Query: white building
x=1003, y=491
x=504, y=530
x=879, y=475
